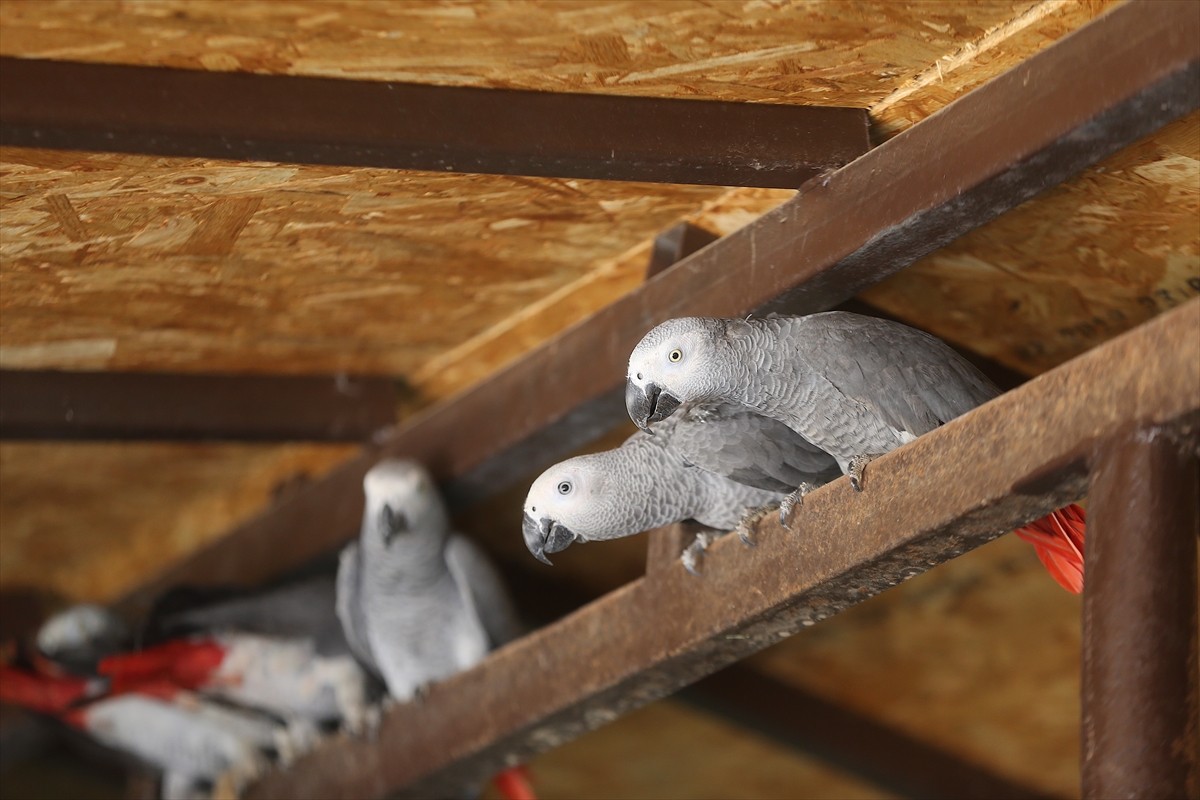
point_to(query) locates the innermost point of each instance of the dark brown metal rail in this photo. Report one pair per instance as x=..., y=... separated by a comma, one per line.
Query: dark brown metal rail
x=1118, y=78
x=44, y=404
x=1140, y=689
x=127, y=109
x=947, y=492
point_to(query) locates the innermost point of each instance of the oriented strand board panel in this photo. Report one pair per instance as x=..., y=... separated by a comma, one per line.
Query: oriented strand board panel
x=129, y=262
x=1071, y=268
x=438, y=279
x=979, y=657
x=828, y=53
x=87, y=521
x=610, y=278
x=670, y=750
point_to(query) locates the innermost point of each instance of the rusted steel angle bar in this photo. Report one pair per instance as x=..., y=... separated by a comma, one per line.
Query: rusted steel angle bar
x=46, y=404
x=1118, y=78
x=1141, y=694
x=298, y=119
x=1003, y=464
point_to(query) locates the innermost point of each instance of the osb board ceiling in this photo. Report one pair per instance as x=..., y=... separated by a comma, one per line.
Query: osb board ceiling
x=84, y=521
x=978, y=657
x=829, y=53
x=655, y=753
x=279, y=268
x=142, y=263
x=1072, y=268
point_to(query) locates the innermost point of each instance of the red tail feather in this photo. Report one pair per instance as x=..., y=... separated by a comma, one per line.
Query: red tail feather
x=1058, y=539
x=513, y=784
x=42, y=693
x=186, y=663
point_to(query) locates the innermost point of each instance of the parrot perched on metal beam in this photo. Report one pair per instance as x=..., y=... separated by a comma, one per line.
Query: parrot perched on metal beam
x=417, y=601
x=711, y=465
x=856, y=387
x=196, y=742
x=280, y=650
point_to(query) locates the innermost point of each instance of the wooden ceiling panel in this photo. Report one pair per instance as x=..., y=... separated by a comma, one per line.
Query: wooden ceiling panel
x=131, y=262
x=979, y=657
x=85, y=521
x=277, y=268
x=829, y=53
x=652, y=753
x=1072, y=268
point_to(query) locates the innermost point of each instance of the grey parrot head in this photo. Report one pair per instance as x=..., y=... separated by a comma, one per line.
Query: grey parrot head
x=83, y=634
x=675, y=364
x=568, y=503
x=401, y=499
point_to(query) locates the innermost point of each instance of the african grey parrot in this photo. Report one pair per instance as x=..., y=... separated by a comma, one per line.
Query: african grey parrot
x=418, y=602
x=856, y=387
x=192, y=740
x=302, y=608
x=305, y=674
x=710, y=466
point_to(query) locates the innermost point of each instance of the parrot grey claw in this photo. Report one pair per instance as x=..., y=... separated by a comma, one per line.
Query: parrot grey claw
x=691, y=557
x=367, y=726
x=857, y=468
x=791, y=503
x=748, y=526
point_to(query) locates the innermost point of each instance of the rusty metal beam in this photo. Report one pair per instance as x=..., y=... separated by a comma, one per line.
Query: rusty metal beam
x=789, y=714
x=675, y=244
x=664, y=545
x=297, y=119
x=1118, y=78
x=38, y=404
x=1140, y=670
x=957, y=487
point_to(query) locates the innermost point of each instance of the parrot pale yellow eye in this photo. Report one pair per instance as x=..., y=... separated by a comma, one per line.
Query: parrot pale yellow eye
x=564, y=488
x=675, y=354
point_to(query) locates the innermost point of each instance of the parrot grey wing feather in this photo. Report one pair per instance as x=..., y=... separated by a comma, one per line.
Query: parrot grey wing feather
x=749, y=448
x=297, y=609
x=911, y=380
x=349, y=605
x=483, y=590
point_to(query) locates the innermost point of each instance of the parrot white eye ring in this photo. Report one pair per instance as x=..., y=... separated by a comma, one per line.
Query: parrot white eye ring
x=564, y=487
x=675, y=355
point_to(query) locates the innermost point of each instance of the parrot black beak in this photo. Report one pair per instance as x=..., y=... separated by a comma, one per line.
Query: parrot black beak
x=394, y=524
x=545, y=536
x=649, y=405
